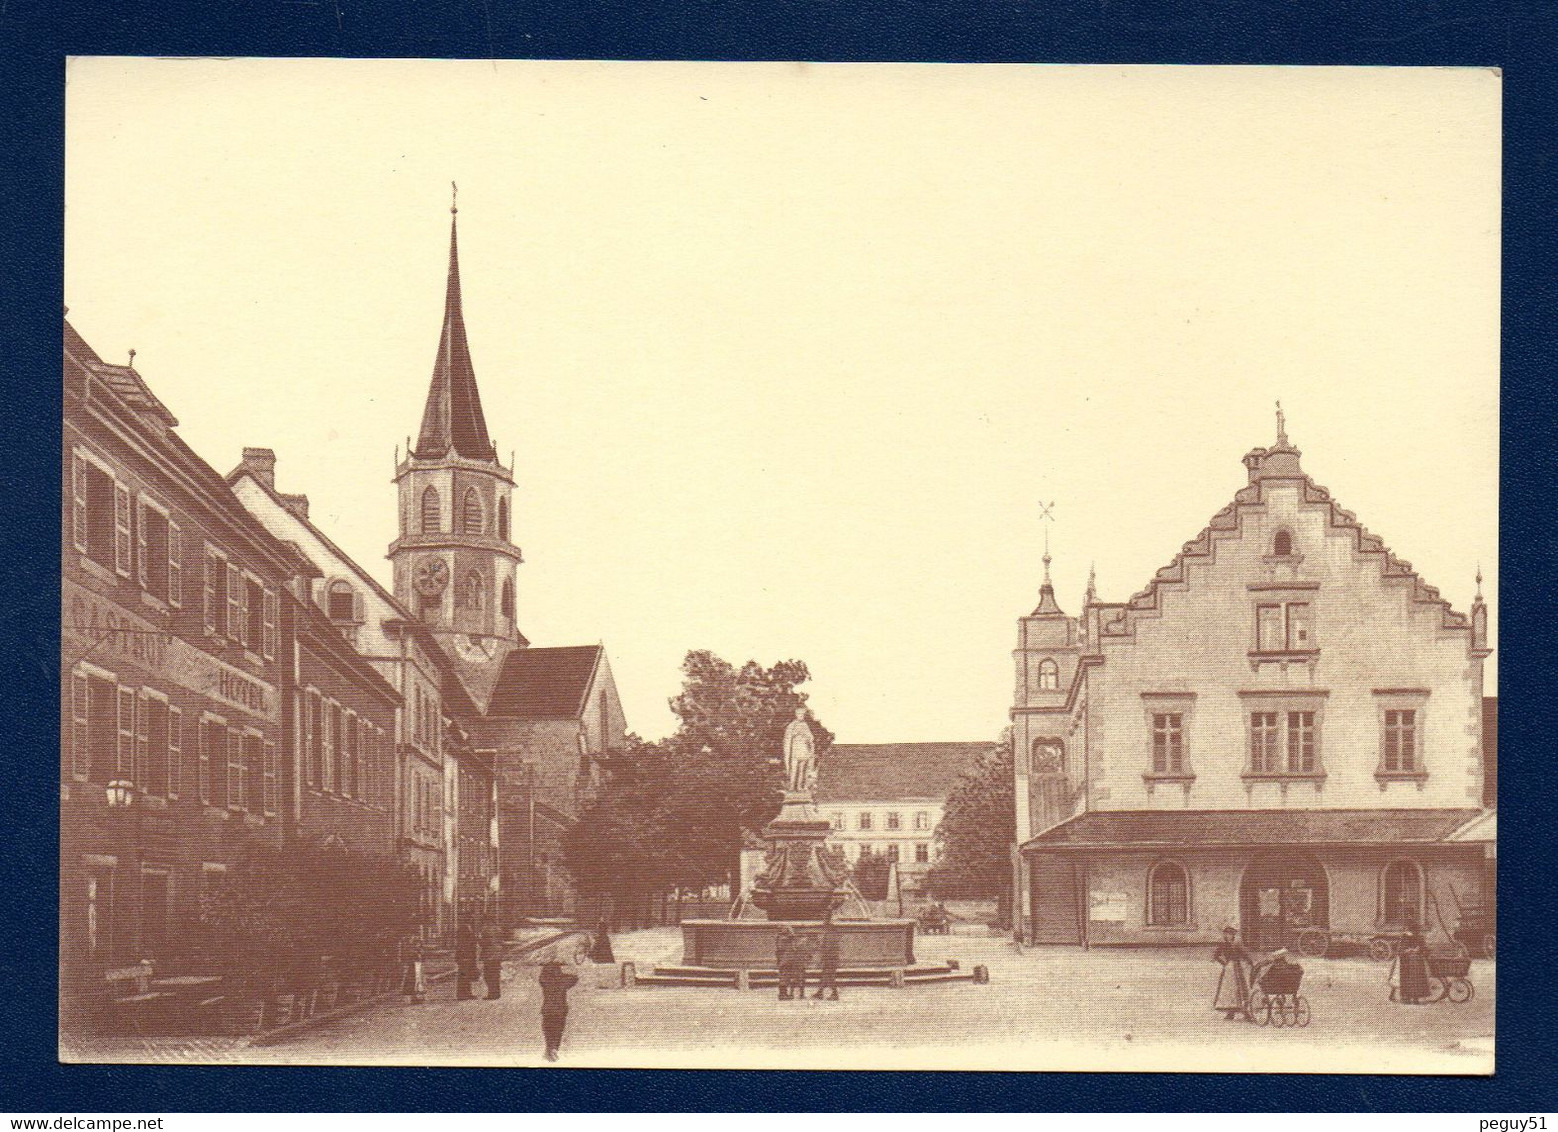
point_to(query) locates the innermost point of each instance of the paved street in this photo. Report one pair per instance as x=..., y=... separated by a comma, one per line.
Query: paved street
x=1049, y=1008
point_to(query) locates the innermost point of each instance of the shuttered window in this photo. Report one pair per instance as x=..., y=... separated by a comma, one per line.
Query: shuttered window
x=123, y=533
x=272, y=792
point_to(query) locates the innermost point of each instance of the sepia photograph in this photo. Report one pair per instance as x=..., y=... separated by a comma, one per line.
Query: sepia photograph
x=839, y=566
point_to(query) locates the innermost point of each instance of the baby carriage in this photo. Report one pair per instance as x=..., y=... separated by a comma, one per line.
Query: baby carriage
x=1274, y=997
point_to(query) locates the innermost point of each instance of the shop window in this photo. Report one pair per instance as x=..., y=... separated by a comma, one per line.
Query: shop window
x=432, y=520
x=473, y=520
x=1168, y=896
x=155, y=894
x=1401, y=894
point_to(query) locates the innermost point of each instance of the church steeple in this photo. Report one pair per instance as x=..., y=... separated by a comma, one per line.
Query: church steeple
x=452, y=420
x=455, y=560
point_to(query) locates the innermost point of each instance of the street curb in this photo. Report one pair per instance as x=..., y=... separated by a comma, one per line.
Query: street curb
x=292, y=1029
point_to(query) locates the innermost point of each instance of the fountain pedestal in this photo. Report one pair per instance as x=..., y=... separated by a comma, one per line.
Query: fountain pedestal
x=801, y=882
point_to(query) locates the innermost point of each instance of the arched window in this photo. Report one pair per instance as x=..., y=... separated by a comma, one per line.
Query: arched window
x=503, y=519
x=432, y=520
x=508, y=597
x=338, y=603
x=1401, y=894
x=473, y=590
x=472, y=519
x=1168, y=895
x=1048, y=757
x=1049, y=674
x=1282, y=544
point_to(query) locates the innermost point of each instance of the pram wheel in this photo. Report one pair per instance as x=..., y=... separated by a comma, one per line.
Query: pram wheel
x=1302, y=1012
x=1437, y=988
x=1461, y=990
x=1381, y=950
x=1260, y=1007
x=1313, y=942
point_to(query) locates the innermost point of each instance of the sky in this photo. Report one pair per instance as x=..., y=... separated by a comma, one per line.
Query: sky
x=789, y=356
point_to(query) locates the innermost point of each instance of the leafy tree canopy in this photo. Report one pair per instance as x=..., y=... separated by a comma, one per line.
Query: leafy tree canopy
x=977, y=829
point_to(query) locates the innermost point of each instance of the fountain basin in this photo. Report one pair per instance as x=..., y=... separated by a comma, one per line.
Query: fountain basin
x=735, y=945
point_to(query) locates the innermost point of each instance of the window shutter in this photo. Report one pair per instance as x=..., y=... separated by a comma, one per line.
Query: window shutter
x=142, y=773
x=124, y=756
x=236, y=591
x=140, y=542
x=270, y=779
x=80, y=756
x=327, y=733
x=212, y=566
x=175, y=750
x=204, y=741
x=78, y=515
x=268, y=645
x=362, y=762
x=175, y=566
x=234, y=770
x=122, y=530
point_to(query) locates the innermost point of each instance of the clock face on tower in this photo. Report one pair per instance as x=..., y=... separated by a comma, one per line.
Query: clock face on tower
x=475, y=649
x=432, y=577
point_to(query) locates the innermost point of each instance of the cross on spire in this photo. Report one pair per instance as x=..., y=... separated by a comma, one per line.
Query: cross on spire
x=1046, y=516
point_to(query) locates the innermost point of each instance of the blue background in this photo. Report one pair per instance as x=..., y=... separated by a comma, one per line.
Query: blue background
x=1520, y=38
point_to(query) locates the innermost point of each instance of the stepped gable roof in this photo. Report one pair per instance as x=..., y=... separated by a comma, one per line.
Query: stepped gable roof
x=887, y=772
x=1280, y=462
x=452, y=419
x=1187, y=829
x=545, y=683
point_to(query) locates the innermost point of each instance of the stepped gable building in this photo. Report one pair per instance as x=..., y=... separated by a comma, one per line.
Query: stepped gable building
x=173, y=671
x=1282, y=732
x=888, y=798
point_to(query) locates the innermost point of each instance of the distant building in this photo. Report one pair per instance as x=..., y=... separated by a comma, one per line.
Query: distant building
x=1284, y=731
x=888, y=798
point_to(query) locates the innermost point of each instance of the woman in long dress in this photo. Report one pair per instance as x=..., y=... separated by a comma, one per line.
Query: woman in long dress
x=1233, y=981
x=1412, y=967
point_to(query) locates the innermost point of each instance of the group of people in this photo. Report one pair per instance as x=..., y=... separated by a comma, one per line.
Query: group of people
x=1409, y=977
x=478, y=953
x=793, y=954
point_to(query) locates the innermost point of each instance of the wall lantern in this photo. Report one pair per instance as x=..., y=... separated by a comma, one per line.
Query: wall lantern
x=121, y=792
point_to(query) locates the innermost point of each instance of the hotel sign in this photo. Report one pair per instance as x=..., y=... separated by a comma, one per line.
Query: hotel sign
x=103, y=633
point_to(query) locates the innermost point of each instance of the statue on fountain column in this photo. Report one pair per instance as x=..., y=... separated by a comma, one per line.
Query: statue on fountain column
x=800, y=755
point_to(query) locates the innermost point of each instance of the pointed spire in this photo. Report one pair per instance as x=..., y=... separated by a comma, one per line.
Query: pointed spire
x=452, y=418
x=1047, y=603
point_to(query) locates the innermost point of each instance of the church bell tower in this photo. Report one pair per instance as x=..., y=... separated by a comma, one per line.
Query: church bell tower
x=454, y=559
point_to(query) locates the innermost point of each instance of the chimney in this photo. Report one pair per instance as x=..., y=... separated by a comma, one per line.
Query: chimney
x=261, y=463
x=297, y=504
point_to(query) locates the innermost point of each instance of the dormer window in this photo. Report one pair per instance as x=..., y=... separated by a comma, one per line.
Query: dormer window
x=1049, y=675
x=339, y=604
x=1282, y=544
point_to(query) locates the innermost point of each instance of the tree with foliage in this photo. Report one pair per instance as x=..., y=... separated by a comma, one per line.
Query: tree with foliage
x=977, y=829
x=674, y=814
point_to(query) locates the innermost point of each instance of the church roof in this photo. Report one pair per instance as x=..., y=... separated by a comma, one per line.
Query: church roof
x=544, y=683
x=452, y=420
x=891, y=772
